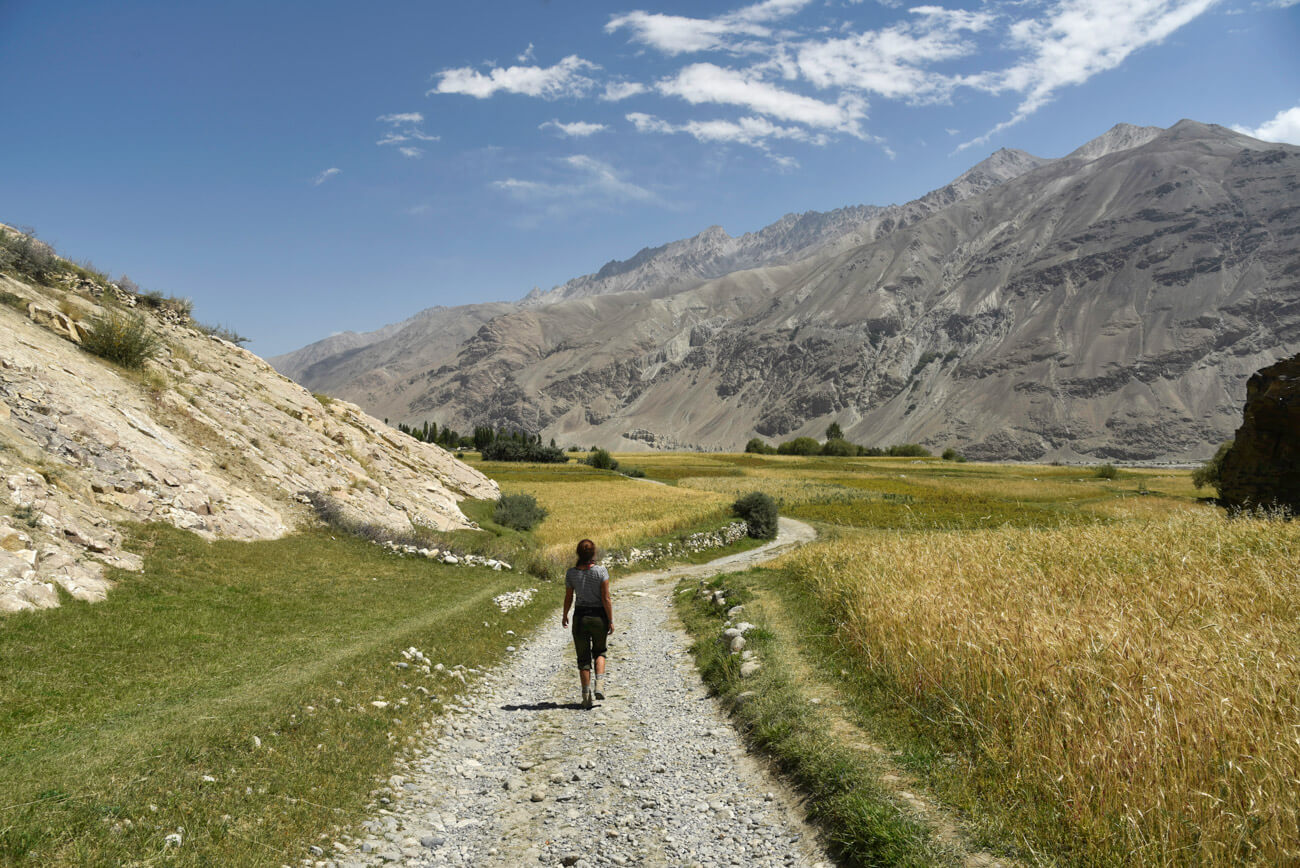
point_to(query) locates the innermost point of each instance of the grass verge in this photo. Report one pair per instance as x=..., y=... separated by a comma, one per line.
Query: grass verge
x=126, y=721
x=844, y=795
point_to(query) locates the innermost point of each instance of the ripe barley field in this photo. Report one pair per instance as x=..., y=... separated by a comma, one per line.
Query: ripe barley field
x=1093, y=671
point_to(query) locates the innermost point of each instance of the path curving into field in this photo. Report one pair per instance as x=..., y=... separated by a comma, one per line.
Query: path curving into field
x=653, y=776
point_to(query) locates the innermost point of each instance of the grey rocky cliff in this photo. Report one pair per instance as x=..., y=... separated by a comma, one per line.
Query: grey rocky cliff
x=207, y=437
x=1106, y=305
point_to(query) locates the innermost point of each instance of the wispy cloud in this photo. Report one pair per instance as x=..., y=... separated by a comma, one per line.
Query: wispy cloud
x=752, y=131
x=577, y=129
x=325, y=176
x=708, y=83
x=583, y=183
x=1284, y=127
x=404, y=127
x=620, y=90
x=677, y=34
x=567, y=78
x=1076, y=40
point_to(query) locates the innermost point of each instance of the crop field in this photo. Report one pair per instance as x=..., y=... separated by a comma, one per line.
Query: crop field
x=613, y=510
x=1102, y=671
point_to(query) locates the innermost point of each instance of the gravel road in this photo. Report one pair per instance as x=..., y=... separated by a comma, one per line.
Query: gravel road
x=653, y=775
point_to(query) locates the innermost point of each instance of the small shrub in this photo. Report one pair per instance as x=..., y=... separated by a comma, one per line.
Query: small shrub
x=226, y=333
x=121, y=338
x=839, y=447
x=1210, y=473
x=759, y=512
x=758, y=447
x=800, y=446
x=17, y=302
x=601, y=460
x=519, y=511
x=1106, y=471
x=634, y=472
x=951, y=454
x=908, y=450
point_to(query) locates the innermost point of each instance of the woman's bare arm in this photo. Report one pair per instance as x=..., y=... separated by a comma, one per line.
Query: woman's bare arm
x=609, y=604
x=568, y=601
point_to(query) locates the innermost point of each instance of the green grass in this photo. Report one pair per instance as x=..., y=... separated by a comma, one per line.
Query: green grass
x=842, y=793
x=115, y=712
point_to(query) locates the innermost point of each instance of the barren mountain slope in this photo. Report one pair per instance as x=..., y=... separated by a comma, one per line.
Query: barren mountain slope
x=1109, y=304
x=386, y=369
x=207, y=437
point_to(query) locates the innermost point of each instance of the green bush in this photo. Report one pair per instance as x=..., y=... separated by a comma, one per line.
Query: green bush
x=800, y=446
x=519, y=511
x=834, y=431
x=1211, y=472
x=9, y=299
x=226, y=333
x=601, y=460
x=759, y=512
x=634, y=472
x=758, y=447
x=839, y=447
x=509, y=449
x=1106, y=471
x=908, y=450
x=951, y=454
x=122, y=338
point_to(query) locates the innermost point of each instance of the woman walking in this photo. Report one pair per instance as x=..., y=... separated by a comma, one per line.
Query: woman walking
x=593, y=617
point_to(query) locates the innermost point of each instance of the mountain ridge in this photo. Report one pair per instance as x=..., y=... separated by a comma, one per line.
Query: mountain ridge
x=1107, y=304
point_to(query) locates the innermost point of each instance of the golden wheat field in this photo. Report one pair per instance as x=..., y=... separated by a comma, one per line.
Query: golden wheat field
x=613, y=510
x=1110, y=668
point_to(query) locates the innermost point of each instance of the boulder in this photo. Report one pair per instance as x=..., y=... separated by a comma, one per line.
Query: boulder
x=1263, y=466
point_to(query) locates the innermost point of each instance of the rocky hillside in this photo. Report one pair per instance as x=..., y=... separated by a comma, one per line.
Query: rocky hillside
x=1109, y=304
x=206, y=436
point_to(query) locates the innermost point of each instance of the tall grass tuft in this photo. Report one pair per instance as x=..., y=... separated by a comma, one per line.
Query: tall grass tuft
x=1127, y=692
x=122, y=338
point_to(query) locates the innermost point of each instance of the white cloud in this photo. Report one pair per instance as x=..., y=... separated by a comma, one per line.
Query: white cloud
x=564, y=79
x=751, y=131
x=587, y=183
x=707, y=83
x=892, y=62
x=404, y=127
x=1284, y=127
x=325, y=176
x=1077, y=40
x=677, y=34
x=577, y=129
x=620, y=90
x=527, y=55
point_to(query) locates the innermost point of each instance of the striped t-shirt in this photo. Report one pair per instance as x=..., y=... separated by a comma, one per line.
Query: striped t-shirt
x=586, y=585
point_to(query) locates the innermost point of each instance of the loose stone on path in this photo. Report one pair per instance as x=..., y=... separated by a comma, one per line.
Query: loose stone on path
x=652, y=776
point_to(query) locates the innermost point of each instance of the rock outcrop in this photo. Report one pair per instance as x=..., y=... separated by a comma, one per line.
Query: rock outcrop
x=207, y=436
x=1263, y=466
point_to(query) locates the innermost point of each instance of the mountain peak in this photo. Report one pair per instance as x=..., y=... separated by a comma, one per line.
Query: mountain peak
x=1120, y=137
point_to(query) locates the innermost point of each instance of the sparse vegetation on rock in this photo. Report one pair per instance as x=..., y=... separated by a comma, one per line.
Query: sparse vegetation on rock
x=122, y=338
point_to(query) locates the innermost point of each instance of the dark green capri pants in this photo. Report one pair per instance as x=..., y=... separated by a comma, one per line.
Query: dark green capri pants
x=589, y=632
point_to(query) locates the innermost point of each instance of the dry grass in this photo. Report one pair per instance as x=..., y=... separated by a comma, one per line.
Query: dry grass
x=612, y=510
x=1122, y=693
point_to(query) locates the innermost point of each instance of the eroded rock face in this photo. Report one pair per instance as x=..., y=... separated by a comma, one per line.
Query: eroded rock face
x=208, y=437
x=1263, y=467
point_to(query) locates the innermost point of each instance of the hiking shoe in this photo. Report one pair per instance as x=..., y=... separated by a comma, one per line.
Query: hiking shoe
x=586, y=698
x=600, y=688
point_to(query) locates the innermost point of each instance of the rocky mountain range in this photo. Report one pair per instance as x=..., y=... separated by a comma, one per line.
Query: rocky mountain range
x=205, y=436
x=1109, y=304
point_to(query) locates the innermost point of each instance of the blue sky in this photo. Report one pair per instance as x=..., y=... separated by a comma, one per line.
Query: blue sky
x=299, y=169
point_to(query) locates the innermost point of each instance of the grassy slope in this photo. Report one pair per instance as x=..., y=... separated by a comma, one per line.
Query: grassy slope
x=117, y=711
